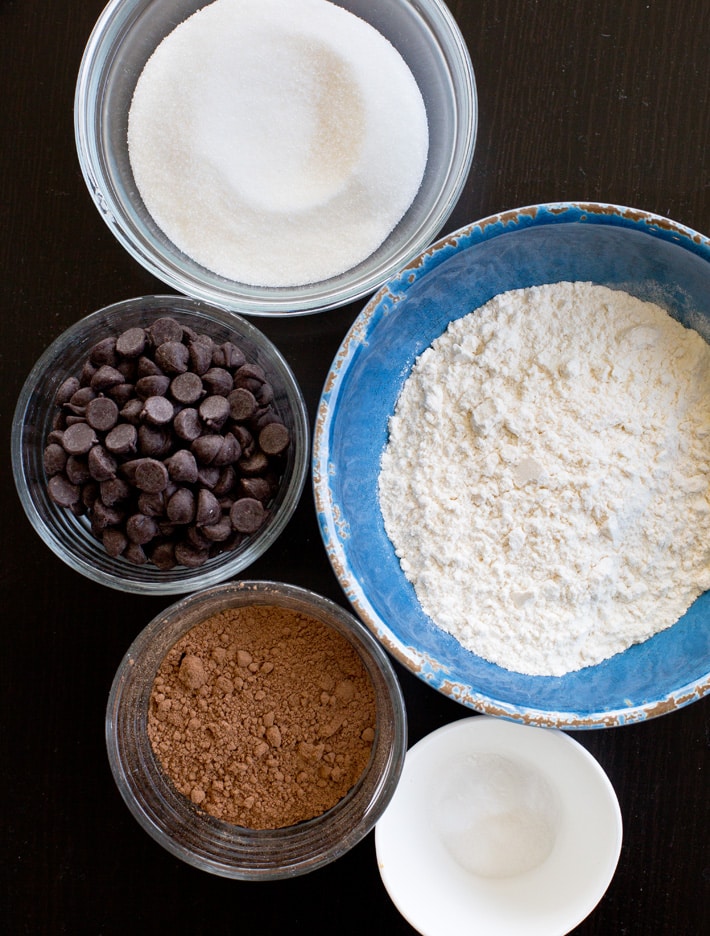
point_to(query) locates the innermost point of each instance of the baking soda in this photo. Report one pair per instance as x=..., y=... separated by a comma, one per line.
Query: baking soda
x=546, y=482
x=277, y=142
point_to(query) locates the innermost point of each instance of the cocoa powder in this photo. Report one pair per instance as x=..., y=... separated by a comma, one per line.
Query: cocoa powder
x=262, y=716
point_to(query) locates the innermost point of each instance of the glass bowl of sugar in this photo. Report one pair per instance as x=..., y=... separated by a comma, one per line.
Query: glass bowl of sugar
x=293, y=736
x=137, y=446
x=323, y=148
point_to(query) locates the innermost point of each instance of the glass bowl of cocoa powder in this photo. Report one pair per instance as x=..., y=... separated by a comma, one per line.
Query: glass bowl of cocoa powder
x=334, y=138
x=160, y=445
x=256, y=730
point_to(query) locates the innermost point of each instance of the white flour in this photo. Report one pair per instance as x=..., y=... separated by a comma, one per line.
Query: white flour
x=546, y=482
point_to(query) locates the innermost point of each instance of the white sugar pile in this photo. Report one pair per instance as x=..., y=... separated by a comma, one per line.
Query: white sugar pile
x=277, y=142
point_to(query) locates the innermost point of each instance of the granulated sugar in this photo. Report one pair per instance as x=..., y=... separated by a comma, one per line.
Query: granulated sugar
x=277, y=142
x=547, y=477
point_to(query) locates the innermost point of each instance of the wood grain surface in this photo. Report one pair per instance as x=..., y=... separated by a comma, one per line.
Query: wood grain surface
x=604, y=100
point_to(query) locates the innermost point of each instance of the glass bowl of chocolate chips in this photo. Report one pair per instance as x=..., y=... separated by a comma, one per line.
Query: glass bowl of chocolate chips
x=160, y=445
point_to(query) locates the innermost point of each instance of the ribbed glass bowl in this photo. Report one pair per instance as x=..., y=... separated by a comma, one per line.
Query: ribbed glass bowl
x=125, y=35
x=223, y=848
x=68, y=536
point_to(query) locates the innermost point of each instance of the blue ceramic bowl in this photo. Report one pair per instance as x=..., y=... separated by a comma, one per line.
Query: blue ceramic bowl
x=644, y=254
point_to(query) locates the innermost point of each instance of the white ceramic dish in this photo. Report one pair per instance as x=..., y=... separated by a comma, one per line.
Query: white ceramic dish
x=496, y=793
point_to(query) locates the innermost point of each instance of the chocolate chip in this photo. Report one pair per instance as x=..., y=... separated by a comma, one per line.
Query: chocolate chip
x=165, y=329
x=131, y=343
x=102, y=414
x=77, y=469
x=274, y=438
x=141, y=529
x=187, y=425
x=247, y=515
x=62, y=491
x=154, y=441
x=81, y=398
x=208, y=509
x=188, y=555
x=200, y=351
x=102, y=466
x=181, y=506
x=158, y=410
x=218, y=532
x=218, y=381
x=206, y=448
x=255, y=464
x=131, y=411
x=242, y=404
x=104, y=352
x=114, y=542
x=228, y=355
x=105, y=378
x=162, y=555
x=258, y=488
x=152, y=385
x=113, y=491
x=229, y=452
x=135, y=553
x=146, y=367
x=122, y=439
x=79, y=438
x=214, y=411
x=187, y=388
x=182, y=466
x=54, y=458
x=66, y=390
x=151, y=475
x=172, y=357
x=152, y=504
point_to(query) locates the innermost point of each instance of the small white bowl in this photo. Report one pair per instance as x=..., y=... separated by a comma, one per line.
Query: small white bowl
x=499, y=828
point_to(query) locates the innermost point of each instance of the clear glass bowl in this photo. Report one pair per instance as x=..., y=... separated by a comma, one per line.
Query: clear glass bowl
x=124, y=37
x=69, y=537
x=211, y=844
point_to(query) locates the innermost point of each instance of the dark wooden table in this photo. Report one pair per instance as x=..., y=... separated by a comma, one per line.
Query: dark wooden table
x=604, y=100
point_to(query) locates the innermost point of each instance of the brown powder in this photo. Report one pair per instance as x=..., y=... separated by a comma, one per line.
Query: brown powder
x=262, y=716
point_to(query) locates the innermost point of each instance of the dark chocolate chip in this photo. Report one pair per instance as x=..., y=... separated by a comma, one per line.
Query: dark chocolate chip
x=208, y=509
x=218, y=532
x=242, y=404
x=228, y=355
x=79, y=438
x=54, y=458
x=122, y=439
x=218, y=381
x=214, y=411
x=141, y=529
x=114, y=491
x=81, y=398
x=162, y=555
x=146, y=367
x=104, y=352
x=182, y=466
x=181, y=506
x=255, y=464
x=62, y=491
x=187, y=425
x=131, y=343
x=187, y=388
x=102, y=466
x=165, y=329
x=77, y=469
x=229, y=452
x=152, y=504
x=67, y=389
x=172, y=357
x=154, y=441
x=114, y=542
x=200, y=351
x=131, y=411
x=135, y=554
x=247, y=515
x=152, y=385
x=158, y=410
x=151, y=475
x=274, y=438
x=102, y=414
x=105, y=378
x=190, y=556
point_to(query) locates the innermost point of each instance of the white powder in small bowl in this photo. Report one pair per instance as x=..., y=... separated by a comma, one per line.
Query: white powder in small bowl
x=277, y=142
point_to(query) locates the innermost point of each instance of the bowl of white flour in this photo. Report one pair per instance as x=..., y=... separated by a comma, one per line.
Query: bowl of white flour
x=512, y=465
x=275, y=157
